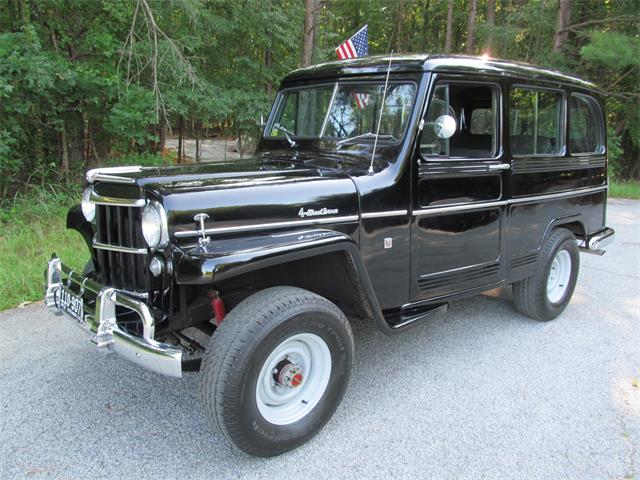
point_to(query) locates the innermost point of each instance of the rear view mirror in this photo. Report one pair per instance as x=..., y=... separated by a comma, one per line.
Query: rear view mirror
x=445, y=126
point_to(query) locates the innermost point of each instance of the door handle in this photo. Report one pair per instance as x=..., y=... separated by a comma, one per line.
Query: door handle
x=499, y=167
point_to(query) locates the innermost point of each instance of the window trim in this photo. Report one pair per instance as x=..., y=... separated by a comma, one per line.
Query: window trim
x=498, y=144
x=601, y=120
x=563, y=121
x=336, y=84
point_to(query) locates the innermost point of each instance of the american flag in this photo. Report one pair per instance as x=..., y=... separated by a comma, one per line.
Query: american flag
x=356, y=46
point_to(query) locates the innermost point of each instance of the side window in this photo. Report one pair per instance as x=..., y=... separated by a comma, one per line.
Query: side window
x=535, y=122
x=586, y=129
x=471, y=112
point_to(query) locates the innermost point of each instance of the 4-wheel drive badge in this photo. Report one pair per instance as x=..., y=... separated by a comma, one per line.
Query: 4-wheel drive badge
x=315, y=213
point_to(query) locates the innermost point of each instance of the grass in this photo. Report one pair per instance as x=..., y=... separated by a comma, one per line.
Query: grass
x=32, y=227
x=624, y=190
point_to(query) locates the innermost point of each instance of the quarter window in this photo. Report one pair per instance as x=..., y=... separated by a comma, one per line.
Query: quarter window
x=474, y=108
x=586, y=133
x=535, y=122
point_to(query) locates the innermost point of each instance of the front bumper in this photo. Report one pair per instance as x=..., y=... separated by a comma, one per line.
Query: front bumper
x=101, y=322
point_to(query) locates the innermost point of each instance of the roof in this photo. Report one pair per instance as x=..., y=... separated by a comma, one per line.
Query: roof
x=434, y=63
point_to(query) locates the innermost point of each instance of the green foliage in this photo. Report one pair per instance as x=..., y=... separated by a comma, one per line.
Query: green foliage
x=82, y=84
x=612, y=50
x=142, y=159
x=630, y=190
x=615, y=152
x=32, y=225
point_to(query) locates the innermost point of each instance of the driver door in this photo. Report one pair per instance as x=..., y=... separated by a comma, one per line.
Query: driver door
x=458, y=199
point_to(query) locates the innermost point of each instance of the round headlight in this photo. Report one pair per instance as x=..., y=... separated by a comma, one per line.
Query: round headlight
x=154, y=225
x=88, y=207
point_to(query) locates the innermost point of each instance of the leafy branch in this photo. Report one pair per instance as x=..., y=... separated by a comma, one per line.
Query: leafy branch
x=171, y=60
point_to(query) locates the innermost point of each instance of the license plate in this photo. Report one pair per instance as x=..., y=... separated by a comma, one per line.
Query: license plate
x=71, y=303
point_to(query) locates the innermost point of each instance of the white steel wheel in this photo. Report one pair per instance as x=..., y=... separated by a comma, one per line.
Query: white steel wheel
x=559, y=276
x=293, y=379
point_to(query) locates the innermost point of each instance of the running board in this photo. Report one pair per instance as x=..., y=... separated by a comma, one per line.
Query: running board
x=409, y=317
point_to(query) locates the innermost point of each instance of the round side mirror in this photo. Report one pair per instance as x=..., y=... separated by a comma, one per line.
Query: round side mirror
x=445, y=126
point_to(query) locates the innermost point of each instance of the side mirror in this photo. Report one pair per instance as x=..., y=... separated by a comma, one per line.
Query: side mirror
x=262, y=122
x=445, y=126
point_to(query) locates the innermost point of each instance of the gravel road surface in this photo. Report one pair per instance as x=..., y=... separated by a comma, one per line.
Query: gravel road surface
x=480, y=393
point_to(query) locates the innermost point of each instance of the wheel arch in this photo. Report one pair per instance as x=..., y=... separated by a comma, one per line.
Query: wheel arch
x=574, y=223
x=325, y=262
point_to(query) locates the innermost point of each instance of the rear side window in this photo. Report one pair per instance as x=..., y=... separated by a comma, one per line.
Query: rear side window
x=535, y=122
x=586, y=130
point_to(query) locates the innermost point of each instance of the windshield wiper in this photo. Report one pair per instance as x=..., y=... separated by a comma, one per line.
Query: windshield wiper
x=362, y=135
x=286, y=132
x=350, y=139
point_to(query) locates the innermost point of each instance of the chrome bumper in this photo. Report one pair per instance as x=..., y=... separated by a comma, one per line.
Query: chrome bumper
x=101, y=322
x=597, y=242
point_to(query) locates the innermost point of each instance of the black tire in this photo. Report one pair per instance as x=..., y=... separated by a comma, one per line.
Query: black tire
x=238, y=350
x=530, y=295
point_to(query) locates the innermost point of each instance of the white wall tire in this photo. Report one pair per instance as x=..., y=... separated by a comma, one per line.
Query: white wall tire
x=276, y=369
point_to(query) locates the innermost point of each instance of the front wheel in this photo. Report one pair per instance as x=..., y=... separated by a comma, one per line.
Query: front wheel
x=276, y=369
x=547, y=293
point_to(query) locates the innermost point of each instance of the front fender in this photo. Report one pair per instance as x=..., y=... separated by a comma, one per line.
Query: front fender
x=77, y=222
x=225, y=258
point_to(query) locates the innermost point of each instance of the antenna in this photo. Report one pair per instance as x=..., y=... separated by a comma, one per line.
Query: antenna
x=384, y=95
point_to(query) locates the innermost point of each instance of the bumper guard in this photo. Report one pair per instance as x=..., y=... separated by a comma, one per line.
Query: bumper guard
x=597, y=242
x=101, y=322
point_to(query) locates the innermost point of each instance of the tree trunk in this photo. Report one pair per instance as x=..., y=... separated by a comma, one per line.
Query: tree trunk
x=268, y=63
x=449, y=34
x=399, y=17
x=180, y=139
x=471, y=27
x=491, y=23
x=309, y=32
x=561, y=35
x=64, y=166
x=196, y=133
x=163, y=134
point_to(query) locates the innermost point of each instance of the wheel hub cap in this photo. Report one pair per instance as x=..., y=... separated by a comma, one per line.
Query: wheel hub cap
x=288, y=374
x=293, y=379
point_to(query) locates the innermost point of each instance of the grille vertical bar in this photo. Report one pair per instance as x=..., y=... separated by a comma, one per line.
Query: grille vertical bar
x=120, y=226
x=133, y=261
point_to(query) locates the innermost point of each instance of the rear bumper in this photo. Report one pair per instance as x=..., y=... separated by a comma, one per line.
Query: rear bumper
x=101, y=322
x=596, y=243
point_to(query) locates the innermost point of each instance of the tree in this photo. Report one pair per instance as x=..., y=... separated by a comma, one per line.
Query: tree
x=449, y=34
x=310, y=21
x=491, y=23
x=561, y=34
x=471, y=27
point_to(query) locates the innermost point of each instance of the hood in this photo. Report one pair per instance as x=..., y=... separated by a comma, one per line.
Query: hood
x=245, y=194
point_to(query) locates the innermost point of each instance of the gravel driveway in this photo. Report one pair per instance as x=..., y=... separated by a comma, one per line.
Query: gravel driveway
x=480, y=393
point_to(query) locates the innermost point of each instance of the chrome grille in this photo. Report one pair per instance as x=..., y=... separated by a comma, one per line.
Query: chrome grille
x=120, y=248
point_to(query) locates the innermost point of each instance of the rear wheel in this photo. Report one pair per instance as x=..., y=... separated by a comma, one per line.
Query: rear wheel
x=547, y=293
x=276, y=369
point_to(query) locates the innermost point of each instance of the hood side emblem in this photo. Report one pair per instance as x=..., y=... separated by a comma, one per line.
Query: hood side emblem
x=316, y=213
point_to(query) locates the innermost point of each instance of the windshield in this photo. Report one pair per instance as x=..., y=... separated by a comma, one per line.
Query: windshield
x=343, y=110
